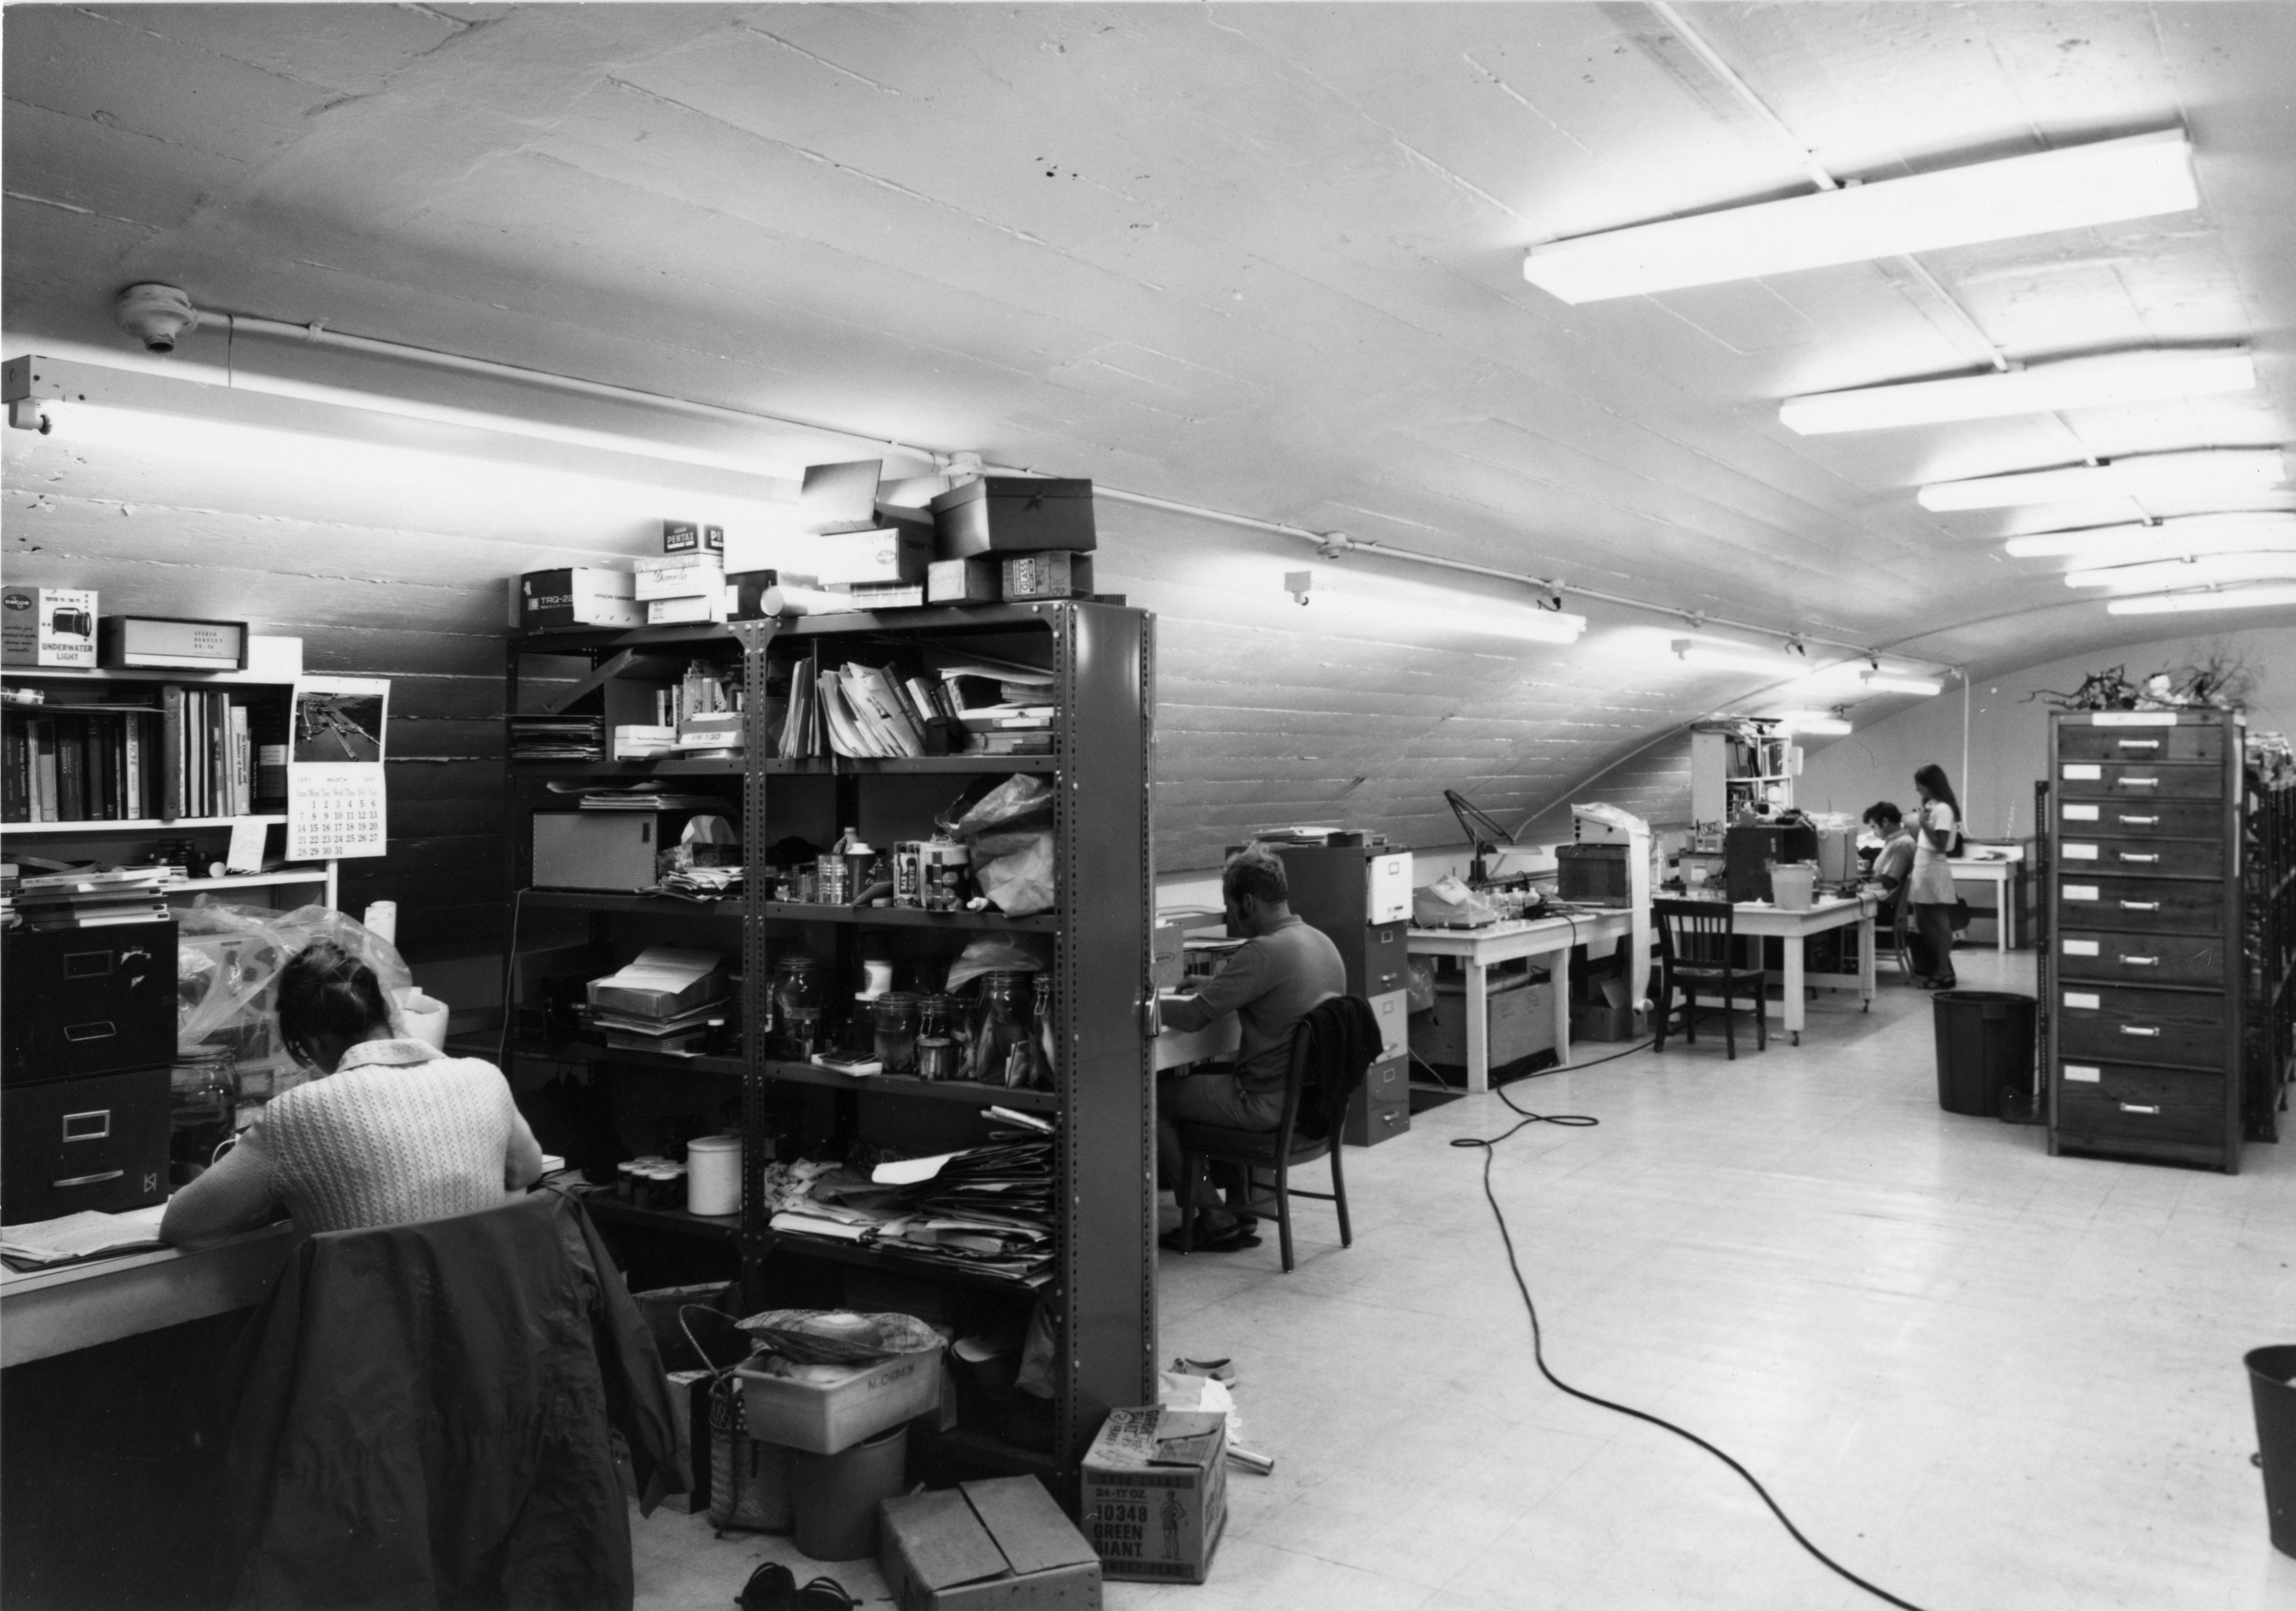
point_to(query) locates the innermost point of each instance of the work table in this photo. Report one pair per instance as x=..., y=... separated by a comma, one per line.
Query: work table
x=67, y=1307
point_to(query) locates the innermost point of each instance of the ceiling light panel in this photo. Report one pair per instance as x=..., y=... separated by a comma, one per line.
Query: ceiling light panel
x=2149, y=475
x=2231, y=599
x=2093, y=382
x=2138, y=176
x=2240, y=533
x=2187, y=572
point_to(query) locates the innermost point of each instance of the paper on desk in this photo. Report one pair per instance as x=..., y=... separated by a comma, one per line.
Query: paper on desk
x=83, y=1235
x=908, y=1172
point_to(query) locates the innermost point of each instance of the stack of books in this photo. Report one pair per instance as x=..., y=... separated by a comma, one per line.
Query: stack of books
x=557, y=737
x=197, y=753
x=989, y=708
x=88, y=898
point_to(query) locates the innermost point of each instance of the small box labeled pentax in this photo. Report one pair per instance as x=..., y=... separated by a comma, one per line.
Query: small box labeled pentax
x=48, y=627
x=684, y=536
x=1058, y=574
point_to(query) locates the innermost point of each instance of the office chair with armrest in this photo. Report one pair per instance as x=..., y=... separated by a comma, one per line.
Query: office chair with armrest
x=1334, y=1043
x=1696, y=939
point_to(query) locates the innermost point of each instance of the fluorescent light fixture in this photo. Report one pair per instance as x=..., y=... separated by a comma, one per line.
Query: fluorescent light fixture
x=2091, y=382
x=2233, y=598
x=2233, y=533
x=2187, y=572
x=1737, y=657
x=1392, y=617
x=2134, y=177
x=2149, y=475
x=1878, y=682
x=1818, y=722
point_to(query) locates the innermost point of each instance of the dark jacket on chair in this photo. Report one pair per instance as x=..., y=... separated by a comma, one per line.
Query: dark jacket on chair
x=424, y=1415
x=1344, y=1032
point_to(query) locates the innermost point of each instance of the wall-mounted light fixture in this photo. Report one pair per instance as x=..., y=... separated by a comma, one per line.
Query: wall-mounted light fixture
x=2246, y=532
x=2138, y=177
x=1819, y=724
x=2201, y=471
x=2204, y=568
x=2227, y=599
x=2088, y=382
x=1736, y=657
x=1884, y=682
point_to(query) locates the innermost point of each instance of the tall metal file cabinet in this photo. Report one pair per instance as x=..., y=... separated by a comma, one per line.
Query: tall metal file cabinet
x=1361, y=897
x=2144, y=972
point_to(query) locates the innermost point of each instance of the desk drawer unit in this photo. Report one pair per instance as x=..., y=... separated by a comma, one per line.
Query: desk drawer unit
x=1381, y=1107
x=2141, y=985
x=2141, y=819
x=2153, y=906
x=2167, y=857
x=1386, y=964
x=2137, y=780
x=2100, y=957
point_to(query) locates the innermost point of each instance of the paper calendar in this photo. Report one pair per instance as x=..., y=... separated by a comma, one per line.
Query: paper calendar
x=336, y=805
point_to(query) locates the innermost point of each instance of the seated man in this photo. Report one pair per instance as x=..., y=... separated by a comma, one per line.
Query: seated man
x=1283, y=968
x=1893, y=863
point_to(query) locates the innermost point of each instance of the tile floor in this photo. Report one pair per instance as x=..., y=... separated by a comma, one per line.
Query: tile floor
x=1980, y=1376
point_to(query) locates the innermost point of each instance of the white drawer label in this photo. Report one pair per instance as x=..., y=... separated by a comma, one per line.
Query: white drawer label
x=2078, y=892
x=2082, y=772
x=2080, y=948
x=2079, y=813
x=2086, y=1073
x=2078, y=851
x=2133, y=719
x=2088, y=999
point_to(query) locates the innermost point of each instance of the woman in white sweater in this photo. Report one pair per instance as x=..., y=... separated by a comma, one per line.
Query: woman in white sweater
x=390, y=1129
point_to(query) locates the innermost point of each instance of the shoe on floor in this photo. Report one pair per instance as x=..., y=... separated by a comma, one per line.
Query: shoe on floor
x=1211, y=1238
x=1218, y=1370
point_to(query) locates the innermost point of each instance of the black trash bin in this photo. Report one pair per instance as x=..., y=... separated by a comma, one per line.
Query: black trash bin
x=1984, y=1048
x=2272, y=1382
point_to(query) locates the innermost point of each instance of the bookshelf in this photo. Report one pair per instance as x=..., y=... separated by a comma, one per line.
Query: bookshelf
x=1740, y=761
x=1101, y=1293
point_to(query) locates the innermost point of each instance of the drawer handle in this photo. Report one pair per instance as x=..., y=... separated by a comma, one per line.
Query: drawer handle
x=2139, y=822
x=2142, y=961
x=109, y=1174
x=2140, y=1107
x=2140, y=906
x=2140, y=783
x=2140, y=743
x=2135, y=856
x=2145, y=1031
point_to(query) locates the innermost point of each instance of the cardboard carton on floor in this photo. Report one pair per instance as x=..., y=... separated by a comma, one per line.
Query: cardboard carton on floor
x=1155, y=1494
x=992, y=1546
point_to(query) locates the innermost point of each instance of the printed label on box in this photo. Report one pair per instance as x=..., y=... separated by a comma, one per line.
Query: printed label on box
x=2079, y=813
x=2081, y=772
x=2080, y=852
x=2083, y=1072
x=2078, y=892
x=2080, y=948
x=2083, y=999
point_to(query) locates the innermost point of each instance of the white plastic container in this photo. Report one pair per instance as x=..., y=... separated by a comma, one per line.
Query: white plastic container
x=1793, y=886
x=822, y=1417
x=713, y=1175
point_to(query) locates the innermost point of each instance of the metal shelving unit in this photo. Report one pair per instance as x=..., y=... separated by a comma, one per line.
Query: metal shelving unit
x=1102, y=1295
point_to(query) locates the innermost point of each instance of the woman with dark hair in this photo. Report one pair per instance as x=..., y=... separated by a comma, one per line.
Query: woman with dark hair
x=389, y=1130
x=1937, y=836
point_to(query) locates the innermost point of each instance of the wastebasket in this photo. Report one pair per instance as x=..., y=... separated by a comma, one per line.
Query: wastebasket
x=2272, y=1382
x=1984, y=1047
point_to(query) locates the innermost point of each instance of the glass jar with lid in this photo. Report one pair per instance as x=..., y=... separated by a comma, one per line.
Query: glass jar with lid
x=896, y=1014
x=798, y=983
x=1005, y=1031
x=202, y=1111
x=938, y=1047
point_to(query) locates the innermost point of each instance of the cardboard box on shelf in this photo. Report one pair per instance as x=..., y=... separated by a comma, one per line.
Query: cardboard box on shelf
x=1001, y=1545
x=1055, y=575
x=1154, y=1486
x=1522, y=1019
x=574, y=596
x=48, y=627
x=684, y=536
x=682, y=611
x=694, y=575
x=663, y=981
x=891, y=554
x=963, y=581
x=1013, y=515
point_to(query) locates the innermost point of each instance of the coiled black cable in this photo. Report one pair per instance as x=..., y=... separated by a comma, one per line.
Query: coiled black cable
x=1490, y=1146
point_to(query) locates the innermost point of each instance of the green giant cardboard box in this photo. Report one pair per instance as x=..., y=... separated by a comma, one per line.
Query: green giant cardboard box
x=1155, y=1494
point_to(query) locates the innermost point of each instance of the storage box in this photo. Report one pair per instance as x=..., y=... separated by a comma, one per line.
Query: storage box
x=1593, y=875
x=695, y=575
x=1521, y=1011
x=575, y=595
x=600, y=849
x=684, y=536
x=1154, y=1487
x=1013, y=515
x=48, y=627
x=746, y=590
x=1055, y=575
x=840, y=498
x=664, y=981
x=684, y=611
x=963, y=581
x=826, y=1418
x=891, y=554
x=136, y=642
x=1001, y=1545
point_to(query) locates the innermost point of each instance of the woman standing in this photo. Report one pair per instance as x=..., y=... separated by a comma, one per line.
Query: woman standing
x=1937, y=836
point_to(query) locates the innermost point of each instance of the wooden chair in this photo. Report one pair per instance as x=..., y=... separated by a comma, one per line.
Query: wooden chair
x=1696, y=942
x=1334, y=1043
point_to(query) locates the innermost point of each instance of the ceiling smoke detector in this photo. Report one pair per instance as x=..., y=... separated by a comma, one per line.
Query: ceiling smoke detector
x=155, y=314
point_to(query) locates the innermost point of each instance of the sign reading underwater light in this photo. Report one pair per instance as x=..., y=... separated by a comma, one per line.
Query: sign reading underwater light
x=2240, y=533
x=2136, y=178
x=2233, y=598
x=2096, y=382
x=2187, y=572
x=2151, y=475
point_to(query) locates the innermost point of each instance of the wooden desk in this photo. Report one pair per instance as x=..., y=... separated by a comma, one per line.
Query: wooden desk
x=46, y=1313
x=1480, y=950
x=2001, y=872
x=1762, y=919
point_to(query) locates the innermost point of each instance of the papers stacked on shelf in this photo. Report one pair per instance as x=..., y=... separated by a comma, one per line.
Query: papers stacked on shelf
x=986, y=1210
x=87, y=899
x=557, y=738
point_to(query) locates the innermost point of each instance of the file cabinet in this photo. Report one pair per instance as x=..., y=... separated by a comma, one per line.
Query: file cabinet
x=2142, y=973
x=1361, y=897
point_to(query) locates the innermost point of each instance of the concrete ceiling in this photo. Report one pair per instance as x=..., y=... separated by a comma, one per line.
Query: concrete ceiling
x=1262, y=257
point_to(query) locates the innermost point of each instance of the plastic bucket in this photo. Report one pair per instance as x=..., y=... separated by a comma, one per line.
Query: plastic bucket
x=837, y=1495
x=713, y=1175
x=1984, y=1048
x=1793, y=886
x=2271, y=1384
